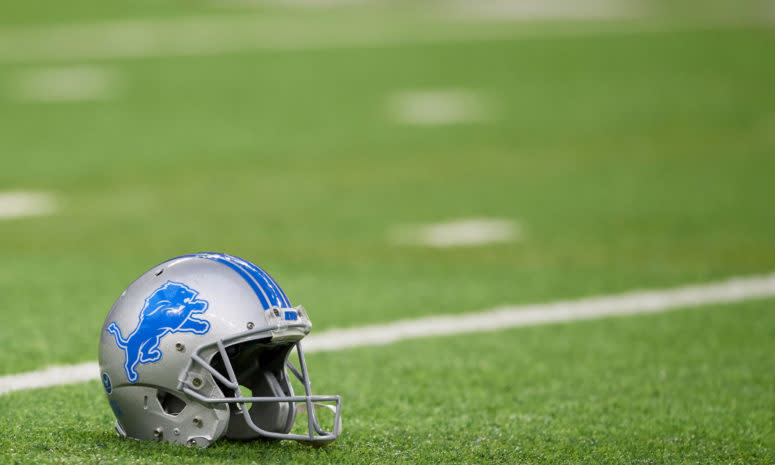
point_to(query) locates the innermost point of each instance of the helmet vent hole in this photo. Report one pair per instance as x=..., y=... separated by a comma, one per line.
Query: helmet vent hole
x=170, y=403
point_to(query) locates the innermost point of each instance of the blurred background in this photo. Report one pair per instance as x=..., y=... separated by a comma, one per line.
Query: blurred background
x=383, y=159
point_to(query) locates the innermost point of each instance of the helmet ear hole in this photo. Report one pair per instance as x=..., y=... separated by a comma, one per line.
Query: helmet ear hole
x=170, y=403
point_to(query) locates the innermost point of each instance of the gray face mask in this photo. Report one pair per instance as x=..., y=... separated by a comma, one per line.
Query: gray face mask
x=199, y=348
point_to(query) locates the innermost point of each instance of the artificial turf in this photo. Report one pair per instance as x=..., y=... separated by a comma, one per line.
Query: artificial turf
x=631, y=160
x=685, y=387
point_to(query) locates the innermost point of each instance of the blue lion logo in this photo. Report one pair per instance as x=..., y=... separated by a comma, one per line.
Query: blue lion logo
x=170, y=309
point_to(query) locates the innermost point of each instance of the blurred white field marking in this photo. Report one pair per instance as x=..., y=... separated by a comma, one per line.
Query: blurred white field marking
x=51, y=376
x=212, y=35
x=508, y=316
x=466, y=232
x=65, y=84
x=514, y=316
x=18, y=204
x=482, y=9
x=545, y=9
x=438, y=107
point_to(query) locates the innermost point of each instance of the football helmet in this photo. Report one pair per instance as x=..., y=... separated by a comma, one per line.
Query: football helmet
x=186, y=339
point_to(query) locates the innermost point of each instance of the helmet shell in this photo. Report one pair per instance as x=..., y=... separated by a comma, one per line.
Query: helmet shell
x=156, y=325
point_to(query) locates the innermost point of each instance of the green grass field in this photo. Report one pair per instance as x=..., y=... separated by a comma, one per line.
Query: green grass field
x=635, y=154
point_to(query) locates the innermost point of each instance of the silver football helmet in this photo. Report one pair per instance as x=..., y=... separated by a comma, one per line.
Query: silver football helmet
x=187, y=338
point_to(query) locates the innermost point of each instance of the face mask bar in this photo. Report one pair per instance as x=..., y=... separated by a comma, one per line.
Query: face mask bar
x=316, y=434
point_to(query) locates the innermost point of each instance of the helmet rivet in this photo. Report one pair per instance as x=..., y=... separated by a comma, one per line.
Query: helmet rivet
x=196, y=382
x=197, y=421
x=191, y=442
x=180, y=347
x=157, y=433
x=251, y=325
x=176, y=432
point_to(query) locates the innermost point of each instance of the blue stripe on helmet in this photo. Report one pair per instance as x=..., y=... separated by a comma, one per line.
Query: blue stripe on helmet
x=262, y=275
x=273, y=291
x=228, y=261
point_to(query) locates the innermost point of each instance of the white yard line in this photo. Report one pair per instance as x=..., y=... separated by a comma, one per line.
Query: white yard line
x=487, y=9
x=514, y=316
x=51, y=376
x=212, y=35
x=458, y=233
x=630, y=303
x=18, y=204
x=201, y=36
